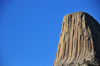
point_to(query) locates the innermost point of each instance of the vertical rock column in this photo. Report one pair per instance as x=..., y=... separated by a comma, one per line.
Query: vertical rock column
x=77, y=41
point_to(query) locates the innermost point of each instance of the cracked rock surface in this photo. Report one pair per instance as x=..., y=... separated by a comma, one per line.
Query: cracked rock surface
x=79, y=42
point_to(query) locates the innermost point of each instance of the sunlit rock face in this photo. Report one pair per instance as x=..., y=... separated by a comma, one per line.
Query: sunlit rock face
x=79, y=42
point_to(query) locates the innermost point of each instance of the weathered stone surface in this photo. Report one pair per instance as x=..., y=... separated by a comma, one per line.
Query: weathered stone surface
x=79, y=41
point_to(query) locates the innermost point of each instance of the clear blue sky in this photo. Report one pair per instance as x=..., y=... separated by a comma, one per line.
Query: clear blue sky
x=30, y=29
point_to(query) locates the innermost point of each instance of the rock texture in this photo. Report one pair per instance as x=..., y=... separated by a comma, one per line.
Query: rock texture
x=79, y=42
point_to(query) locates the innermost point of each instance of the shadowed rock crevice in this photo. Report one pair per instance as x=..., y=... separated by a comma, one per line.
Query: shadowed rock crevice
x=79, y=40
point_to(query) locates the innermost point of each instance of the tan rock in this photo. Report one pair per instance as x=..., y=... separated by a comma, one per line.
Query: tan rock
x=79, y=40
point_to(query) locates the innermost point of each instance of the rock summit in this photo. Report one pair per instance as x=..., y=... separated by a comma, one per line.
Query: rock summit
x=79, y=42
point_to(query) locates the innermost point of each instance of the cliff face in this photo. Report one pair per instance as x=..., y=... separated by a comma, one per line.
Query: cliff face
x=79, y=41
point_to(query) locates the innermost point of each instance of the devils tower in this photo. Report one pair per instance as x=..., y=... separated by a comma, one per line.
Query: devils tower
x=79, y=42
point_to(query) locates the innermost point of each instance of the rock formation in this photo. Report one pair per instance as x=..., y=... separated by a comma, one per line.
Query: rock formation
x=79, y=42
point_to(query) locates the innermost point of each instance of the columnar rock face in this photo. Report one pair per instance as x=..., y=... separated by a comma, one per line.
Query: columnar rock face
x=79, y=41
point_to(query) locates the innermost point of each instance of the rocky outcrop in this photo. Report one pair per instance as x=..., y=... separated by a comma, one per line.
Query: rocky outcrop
x=79, y=41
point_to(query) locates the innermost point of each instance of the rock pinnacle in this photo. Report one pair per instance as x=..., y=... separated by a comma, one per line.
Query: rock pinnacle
x=79, y=42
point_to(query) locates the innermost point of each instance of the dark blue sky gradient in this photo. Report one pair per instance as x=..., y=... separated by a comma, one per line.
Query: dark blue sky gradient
x=30, y=29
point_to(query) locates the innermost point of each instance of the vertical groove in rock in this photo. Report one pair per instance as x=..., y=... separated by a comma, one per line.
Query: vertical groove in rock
x=77, y=40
